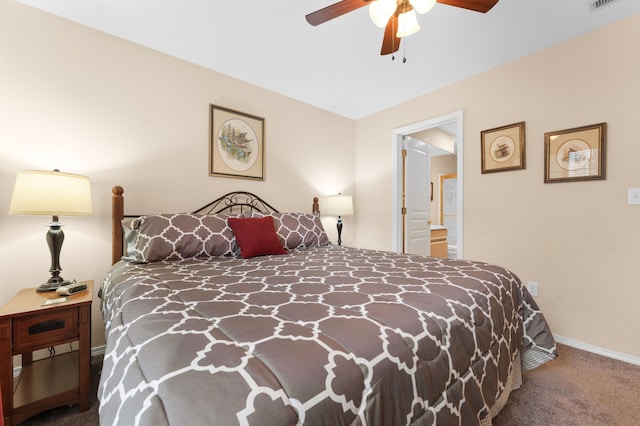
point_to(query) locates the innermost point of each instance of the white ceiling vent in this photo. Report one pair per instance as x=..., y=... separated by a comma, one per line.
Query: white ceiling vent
x=598, y=4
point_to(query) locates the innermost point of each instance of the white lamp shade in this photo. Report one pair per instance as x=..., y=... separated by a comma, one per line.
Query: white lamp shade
x=407, y=24
x=339, y=205
x=422, y=6
x=51, y=193
x=381, y=10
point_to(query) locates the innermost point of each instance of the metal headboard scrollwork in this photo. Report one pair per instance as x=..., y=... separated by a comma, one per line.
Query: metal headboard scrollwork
x=237, y=202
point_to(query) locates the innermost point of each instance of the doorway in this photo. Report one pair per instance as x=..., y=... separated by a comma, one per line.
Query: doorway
x=453, y=124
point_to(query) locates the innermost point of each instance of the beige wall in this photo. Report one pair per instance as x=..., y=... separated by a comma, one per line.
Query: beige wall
x=580, y=241
x=84, y=102
x=89, y=103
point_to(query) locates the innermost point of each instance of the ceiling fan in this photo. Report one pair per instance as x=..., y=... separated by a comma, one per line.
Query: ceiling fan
x=396, y=16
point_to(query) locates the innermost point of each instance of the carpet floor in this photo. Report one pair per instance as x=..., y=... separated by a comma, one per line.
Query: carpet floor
x=578, y=388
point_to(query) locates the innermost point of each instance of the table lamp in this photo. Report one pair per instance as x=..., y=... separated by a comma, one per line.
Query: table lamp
x=53, y=193
x=339, y=205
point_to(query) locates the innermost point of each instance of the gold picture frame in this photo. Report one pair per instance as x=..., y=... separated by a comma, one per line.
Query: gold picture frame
x=575, y=154
x=503, y=148
x=236, y=144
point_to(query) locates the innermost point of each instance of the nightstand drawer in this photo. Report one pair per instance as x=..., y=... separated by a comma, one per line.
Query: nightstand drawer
x=43, y=329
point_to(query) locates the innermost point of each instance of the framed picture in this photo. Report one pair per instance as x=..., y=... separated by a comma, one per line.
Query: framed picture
x=575, y=154
x=503, y=148
x=236, y=145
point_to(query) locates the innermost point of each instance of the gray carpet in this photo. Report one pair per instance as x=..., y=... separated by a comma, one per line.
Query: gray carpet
x=578, y=388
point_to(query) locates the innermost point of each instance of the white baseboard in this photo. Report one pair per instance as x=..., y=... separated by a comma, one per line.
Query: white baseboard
x=98, y=350
x=598, y=350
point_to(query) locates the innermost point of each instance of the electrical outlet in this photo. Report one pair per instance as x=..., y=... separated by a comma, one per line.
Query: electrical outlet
x=533, y=288
x=634, y=196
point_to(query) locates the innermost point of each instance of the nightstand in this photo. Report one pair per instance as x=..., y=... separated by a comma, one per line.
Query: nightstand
x=27, y=325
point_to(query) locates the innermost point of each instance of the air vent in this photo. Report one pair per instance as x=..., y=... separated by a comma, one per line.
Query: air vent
x=598, y=4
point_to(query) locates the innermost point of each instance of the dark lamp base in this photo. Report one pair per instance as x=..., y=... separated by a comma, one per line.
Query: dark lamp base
x=339, y=225
x=51, y=285
x=55, y=237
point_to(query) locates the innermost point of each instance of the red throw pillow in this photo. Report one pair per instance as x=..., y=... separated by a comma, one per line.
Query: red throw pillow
x=256, y=236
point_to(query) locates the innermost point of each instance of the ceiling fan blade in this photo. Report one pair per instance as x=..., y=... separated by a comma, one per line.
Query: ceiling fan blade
x=390, y=43
x=337, y=9
x=482, y=6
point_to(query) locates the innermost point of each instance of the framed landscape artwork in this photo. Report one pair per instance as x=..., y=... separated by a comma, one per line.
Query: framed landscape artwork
x=575, y=154
x=236, y=145
x=503, y=148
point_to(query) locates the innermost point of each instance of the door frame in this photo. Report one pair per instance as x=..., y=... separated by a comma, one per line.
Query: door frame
x=396, y=189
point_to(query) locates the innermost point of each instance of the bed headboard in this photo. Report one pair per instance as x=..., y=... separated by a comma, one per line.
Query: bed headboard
x=233, y=202
x=236, y=202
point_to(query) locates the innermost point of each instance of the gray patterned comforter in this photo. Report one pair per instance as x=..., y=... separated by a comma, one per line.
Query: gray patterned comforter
x=323, y=336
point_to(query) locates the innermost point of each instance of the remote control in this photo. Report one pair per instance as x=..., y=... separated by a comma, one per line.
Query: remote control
x=55, y=301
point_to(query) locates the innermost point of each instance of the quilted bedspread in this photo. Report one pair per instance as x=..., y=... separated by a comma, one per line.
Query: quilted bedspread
x=323, y=336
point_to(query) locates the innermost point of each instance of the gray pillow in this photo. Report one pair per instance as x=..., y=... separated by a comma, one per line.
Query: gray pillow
x=129, y=243
x=181, y=236
x=298, y=230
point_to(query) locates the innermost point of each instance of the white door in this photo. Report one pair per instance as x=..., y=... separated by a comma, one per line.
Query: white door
x=417, y=235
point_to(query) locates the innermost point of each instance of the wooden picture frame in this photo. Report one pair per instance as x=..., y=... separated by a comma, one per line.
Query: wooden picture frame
x=236, y=144
x=575, y=154
x=503, y=148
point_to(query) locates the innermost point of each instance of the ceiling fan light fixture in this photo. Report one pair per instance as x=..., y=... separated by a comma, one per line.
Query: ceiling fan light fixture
x=422, y=6
x=407, y=24
x=381, y=10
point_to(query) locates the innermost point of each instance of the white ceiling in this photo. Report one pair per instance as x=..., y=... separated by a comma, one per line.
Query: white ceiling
x=337, y=66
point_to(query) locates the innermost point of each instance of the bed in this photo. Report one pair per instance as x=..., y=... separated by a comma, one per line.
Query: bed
x=209, y=320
